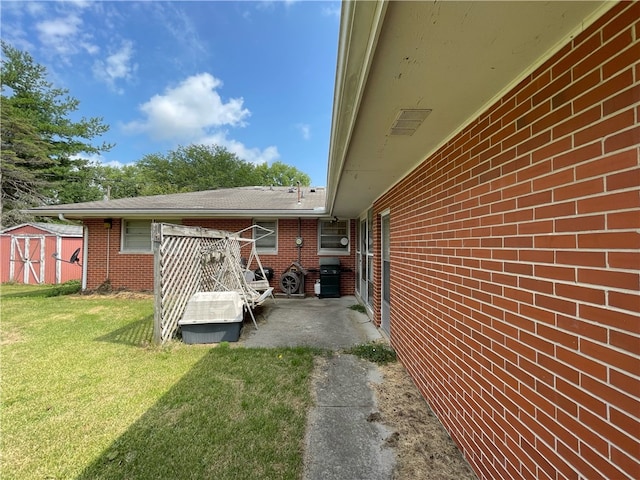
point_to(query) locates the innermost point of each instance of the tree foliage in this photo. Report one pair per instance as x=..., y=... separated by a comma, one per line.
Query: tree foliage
x=185, y=169
x=40, y=143
x=208, y=167
x=44, y=152
x=281, y=174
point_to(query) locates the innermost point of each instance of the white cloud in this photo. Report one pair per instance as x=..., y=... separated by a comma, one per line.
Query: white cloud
x=60, y=32
x=91, y=48
x=189, y=111
x=181, y=27
x=252, y=155
x=111, y=163
x=272, y=4
x=34, y=8
x=98, y=159
x=332, y=10
x=80, y=3
x=117, y=66
x=305, y=130
x=194, y=112
x=64, y=35
x=183, y=31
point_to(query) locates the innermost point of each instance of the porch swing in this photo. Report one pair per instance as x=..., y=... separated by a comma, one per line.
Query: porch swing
x=225, y=269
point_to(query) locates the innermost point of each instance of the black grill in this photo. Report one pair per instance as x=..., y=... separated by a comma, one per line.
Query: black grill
x=330, y=277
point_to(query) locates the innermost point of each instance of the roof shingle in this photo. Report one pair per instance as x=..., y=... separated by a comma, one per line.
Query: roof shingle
x=236, y=201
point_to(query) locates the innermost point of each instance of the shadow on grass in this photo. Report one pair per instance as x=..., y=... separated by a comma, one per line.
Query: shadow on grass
x=67, y=288
x=137, y=334
x=237, y=414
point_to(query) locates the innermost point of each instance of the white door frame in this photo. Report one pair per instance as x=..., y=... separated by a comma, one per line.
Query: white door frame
x=385, y=272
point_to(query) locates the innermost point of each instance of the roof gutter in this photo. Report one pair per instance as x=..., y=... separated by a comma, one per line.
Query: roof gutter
x=61, y=217
x=154, y=213
x=360, y=26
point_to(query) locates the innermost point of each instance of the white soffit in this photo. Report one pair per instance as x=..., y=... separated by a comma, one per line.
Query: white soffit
x=450, y=58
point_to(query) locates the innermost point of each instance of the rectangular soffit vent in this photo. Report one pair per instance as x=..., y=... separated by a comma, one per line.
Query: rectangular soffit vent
x=408, y=121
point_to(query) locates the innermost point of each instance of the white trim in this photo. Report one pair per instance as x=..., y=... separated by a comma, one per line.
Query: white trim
x=330, y=251
x=42, y=258
x=351, y=63
x=123, y=235
x=265, y=250
x=385, y=214
x=57, y=263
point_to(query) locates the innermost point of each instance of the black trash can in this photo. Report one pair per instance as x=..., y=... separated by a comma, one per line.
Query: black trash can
x=329, y=277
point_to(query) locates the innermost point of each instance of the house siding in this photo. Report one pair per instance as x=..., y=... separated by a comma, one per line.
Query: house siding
x=132, y=271
x=515, y=268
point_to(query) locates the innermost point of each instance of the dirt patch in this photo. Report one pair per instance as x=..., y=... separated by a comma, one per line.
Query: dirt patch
x=10, y=337
x=124, y=294
x=424, y=449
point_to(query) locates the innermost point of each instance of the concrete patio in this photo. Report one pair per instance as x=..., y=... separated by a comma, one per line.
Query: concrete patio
x=311, y=322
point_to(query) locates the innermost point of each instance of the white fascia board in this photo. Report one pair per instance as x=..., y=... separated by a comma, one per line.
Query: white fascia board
x=360, y=27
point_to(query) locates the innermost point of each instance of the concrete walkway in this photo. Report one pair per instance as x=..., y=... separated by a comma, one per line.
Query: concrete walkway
x=341, y=443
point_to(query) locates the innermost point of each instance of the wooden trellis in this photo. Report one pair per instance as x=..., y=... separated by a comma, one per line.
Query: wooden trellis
x=195, y=259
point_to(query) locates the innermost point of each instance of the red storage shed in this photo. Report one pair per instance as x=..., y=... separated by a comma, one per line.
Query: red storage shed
x=36, y=253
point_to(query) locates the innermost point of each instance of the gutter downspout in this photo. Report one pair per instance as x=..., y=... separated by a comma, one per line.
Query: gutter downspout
x=108, y=252
x=299, y=236
x=85, y=256
x=62, y=218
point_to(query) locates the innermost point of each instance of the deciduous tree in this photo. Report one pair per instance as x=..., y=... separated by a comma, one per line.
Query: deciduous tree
x=208, y=167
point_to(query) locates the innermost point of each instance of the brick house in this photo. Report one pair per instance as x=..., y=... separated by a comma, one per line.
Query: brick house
x=487, y=154
x=118, y=232
x=490, y=152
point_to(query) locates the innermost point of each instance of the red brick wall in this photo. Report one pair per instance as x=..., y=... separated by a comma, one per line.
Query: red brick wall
x=515, y=268
x=135, y=271
x=129, y=271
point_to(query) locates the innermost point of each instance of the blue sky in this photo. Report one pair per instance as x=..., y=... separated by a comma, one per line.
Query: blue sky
x=254, y=77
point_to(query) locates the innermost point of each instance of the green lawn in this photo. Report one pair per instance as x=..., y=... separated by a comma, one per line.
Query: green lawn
x=85, y=396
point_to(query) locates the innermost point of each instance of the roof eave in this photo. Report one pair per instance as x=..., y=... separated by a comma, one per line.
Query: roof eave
x=165, y=214
x=355, y=54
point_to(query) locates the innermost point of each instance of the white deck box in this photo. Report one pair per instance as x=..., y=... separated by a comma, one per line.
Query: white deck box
x=212, y=317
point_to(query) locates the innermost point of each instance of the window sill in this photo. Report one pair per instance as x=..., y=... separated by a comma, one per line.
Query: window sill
x=266, y=252
x=334, y=253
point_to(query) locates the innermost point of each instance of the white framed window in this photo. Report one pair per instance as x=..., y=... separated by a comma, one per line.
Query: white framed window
x=333, y=237
x=266, y=242
x=136, y=236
